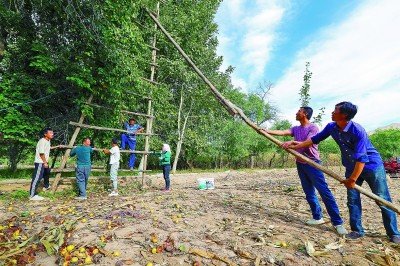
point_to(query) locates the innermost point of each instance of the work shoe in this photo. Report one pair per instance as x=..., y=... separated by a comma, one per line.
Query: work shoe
x=395, y=239
x=315, y=222
x=36, y=197
x=81, y=198
x=341, y=230
x=354, y=235
x=113, y=194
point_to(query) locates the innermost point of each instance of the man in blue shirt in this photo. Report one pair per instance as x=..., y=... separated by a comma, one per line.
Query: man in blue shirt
x=130, y=139
x=362, y=162
x=83, y=166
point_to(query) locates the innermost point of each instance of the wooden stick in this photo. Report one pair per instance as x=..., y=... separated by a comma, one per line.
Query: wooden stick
x=68, y=170
x=122, y=111
x=104, y=128
x=67, y=152
x=100, y=149
x=138, y=94
x=234, y=110
x=150, y=81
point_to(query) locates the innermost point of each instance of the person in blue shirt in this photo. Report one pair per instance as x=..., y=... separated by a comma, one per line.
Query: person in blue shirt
x=362, y=162
x=129, y=139
x=83, y=166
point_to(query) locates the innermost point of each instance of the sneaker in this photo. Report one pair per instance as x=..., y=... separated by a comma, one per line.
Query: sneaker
x=315, y=222
x=131, y=168
x=395, y=239
x=341, y=230
x=113, y=194
x=36, y=197
x=81, y=198
x=354, y=235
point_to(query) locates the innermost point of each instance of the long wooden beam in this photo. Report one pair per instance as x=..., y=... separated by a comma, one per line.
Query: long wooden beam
x=100, y=149
x=122, y=111
x=105, y=128
x=234, y=110
x=138, y=94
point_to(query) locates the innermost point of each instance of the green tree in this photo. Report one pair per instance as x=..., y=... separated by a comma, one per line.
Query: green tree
x=387, y=142
x=305, y=89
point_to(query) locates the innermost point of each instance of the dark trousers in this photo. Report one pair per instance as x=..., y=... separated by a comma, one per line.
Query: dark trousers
x=127, y=141
x=166, y=169
x=39, y=173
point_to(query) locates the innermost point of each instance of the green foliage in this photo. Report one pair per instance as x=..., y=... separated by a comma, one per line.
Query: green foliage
x=305, y=89
x=387, y=142
x=54, y=54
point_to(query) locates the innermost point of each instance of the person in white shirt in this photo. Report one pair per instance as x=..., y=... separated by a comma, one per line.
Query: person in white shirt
x=42, y=169
x=114, y=165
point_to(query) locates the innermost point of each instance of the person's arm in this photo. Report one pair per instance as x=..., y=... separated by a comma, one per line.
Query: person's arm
x=361, y=157
x=45, y=163
x=139, y=130
x=298, y=145
x=351, y=181
x=73, y=152
x=325, y=133
x=106, y=151
x=41, y=153
x=286, y=132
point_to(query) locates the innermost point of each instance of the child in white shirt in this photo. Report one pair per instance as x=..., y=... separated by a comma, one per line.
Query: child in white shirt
x=114, y=165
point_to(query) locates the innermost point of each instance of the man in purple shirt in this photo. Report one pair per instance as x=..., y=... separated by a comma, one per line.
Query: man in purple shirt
x=312, y=178
x=362, y=162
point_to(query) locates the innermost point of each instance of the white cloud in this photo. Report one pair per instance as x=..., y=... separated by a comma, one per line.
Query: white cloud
x=356, y=60
x=258, y=41
x=239, y=83
x=252, y=30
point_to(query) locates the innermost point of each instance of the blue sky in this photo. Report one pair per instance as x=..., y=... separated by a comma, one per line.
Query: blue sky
x=353, y=48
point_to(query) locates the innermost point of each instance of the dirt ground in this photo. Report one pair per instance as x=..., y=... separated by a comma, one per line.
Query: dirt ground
x=250, y=218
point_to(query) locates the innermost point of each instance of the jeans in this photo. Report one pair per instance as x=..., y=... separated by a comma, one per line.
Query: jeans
x=166, y=169
x=39, y=173
x=82, y=176
x=126, y=139
x=312, y=178
x=376, y=180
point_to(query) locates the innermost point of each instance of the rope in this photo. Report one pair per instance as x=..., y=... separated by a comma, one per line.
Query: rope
x=33, y=101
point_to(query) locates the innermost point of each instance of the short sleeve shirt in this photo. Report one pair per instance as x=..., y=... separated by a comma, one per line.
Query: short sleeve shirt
x=115, y=155
x=302, y=133
x=42, y=147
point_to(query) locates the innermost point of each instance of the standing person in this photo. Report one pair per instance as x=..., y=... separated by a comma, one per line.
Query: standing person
x=362, y=162
x=165, y=162
x=130, y=139
x=42, y=169
x=83, y=166
x=114, y=165
x=312, y=178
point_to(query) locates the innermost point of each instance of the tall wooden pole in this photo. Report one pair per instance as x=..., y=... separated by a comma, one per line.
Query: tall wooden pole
x=236, y=111
x=149, y=120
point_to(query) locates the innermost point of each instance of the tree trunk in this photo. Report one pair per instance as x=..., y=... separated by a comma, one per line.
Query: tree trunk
x=270, y=161
x=181, y=132
x=177, y=153
x=252, y=161
x=15, y=151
